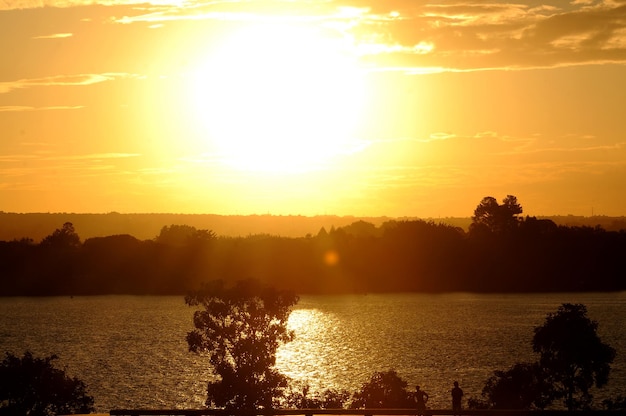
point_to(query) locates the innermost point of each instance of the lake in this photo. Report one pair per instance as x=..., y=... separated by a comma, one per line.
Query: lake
x=132, y=353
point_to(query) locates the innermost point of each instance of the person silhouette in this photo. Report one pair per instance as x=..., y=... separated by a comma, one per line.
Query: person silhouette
x=421, y=397
x=457, y=395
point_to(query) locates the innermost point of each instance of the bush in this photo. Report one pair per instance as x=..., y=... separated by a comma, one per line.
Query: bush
x=384, y=390
x=32, y=386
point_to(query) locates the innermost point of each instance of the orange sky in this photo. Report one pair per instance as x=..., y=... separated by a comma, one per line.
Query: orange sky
x=346, y=107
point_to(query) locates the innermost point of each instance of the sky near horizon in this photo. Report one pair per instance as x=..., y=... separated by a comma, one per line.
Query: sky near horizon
x=347, y=107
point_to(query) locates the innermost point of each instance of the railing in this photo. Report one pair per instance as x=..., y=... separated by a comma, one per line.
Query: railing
x=358, y=412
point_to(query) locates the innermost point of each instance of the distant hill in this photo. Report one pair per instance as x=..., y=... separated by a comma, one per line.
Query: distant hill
x=147, y=226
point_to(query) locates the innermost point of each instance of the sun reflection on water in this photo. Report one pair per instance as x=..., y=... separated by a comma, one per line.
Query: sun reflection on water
x=308, y=355
x=431, y=340
x=306, y=319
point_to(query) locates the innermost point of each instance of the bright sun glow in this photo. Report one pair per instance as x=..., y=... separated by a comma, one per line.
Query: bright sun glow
x=278, y=98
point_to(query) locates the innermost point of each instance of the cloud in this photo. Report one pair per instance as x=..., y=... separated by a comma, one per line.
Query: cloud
x=96, y=156
x=60, y=80
x=16, y=158
x=54, y=36
x=34, y=4
x=17, y=108
x=47, y=156
x=412, y=36
x=477, y=36
x=44, y=169
x=235, y=11
x=441, y=136
x=576, y=147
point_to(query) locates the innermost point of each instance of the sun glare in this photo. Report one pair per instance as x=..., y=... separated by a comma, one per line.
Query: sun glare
x=278, y=98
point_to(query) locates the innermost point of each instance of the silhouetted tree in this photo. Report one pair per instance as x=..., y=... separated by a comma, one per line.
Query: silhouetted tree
x=495, y=217
x=57, y=261
x=534, y=227
x=384, y=390
x=619, y=403
x=182, y=235
x=334, y=399
x=399, y=256
x=299, y=397
x=65, y=237
x=572, y=355
x=520, y=387
x=241, y=327
x=572, y=360
x=362, y=229
x=32, y=386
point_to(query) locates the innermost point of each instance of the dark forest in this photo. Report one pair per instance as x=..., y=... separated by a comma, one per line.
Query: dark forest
x=501, y=252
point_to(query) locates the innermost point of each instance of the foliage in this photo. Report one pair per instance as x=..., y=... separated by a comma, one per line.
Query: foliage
x=241, y=327
x=475, y=403
x=572, y=360
x=299, y=397
x=65, y=237
x=32, y=386
x=183, y=235
x=619, y=403
x=334, y=399
x=384, y=390
x=572, y=355
x=496, y=218
x=399, y=256
x=520, y=387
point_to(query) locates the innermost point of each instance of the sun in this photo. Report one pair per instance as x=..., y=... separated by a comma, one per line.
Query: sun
x=278, y=97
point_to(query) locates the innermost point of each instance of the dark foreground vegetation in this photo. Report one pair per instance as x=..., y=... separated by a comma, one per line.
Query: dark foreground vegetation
x=35, y=387
x=356, y=412
x=501, y=252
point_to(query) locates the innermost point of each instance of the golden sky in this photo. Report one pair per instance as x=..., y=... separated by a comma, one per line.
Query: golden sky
x=347, y=107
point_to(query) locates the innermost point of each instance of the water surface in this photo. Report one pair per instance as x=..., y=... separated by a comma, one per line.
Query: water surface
x=131, y=350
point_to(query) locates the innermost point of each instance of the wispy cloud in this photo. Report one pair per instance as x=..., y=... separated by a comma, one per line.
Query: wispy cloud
x=575, y=148
x=16, y=108
x=100, y=156
x=477, y=36
x=54, y=36
x=412, y=36
x=33, y=4
x=61, y=80
x=41, y=169
x=48, y=156
x=94, y=156
x=441, y=136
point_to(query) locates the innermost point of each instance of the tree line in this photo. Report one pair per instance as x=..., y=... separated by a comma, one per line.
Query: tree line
x=501, y=252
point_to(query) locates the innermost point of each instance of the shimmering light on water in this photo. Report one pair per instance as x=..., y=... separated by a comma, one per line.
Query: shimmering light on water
x=131, y=351
x=431, y=340
x=308, y=356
